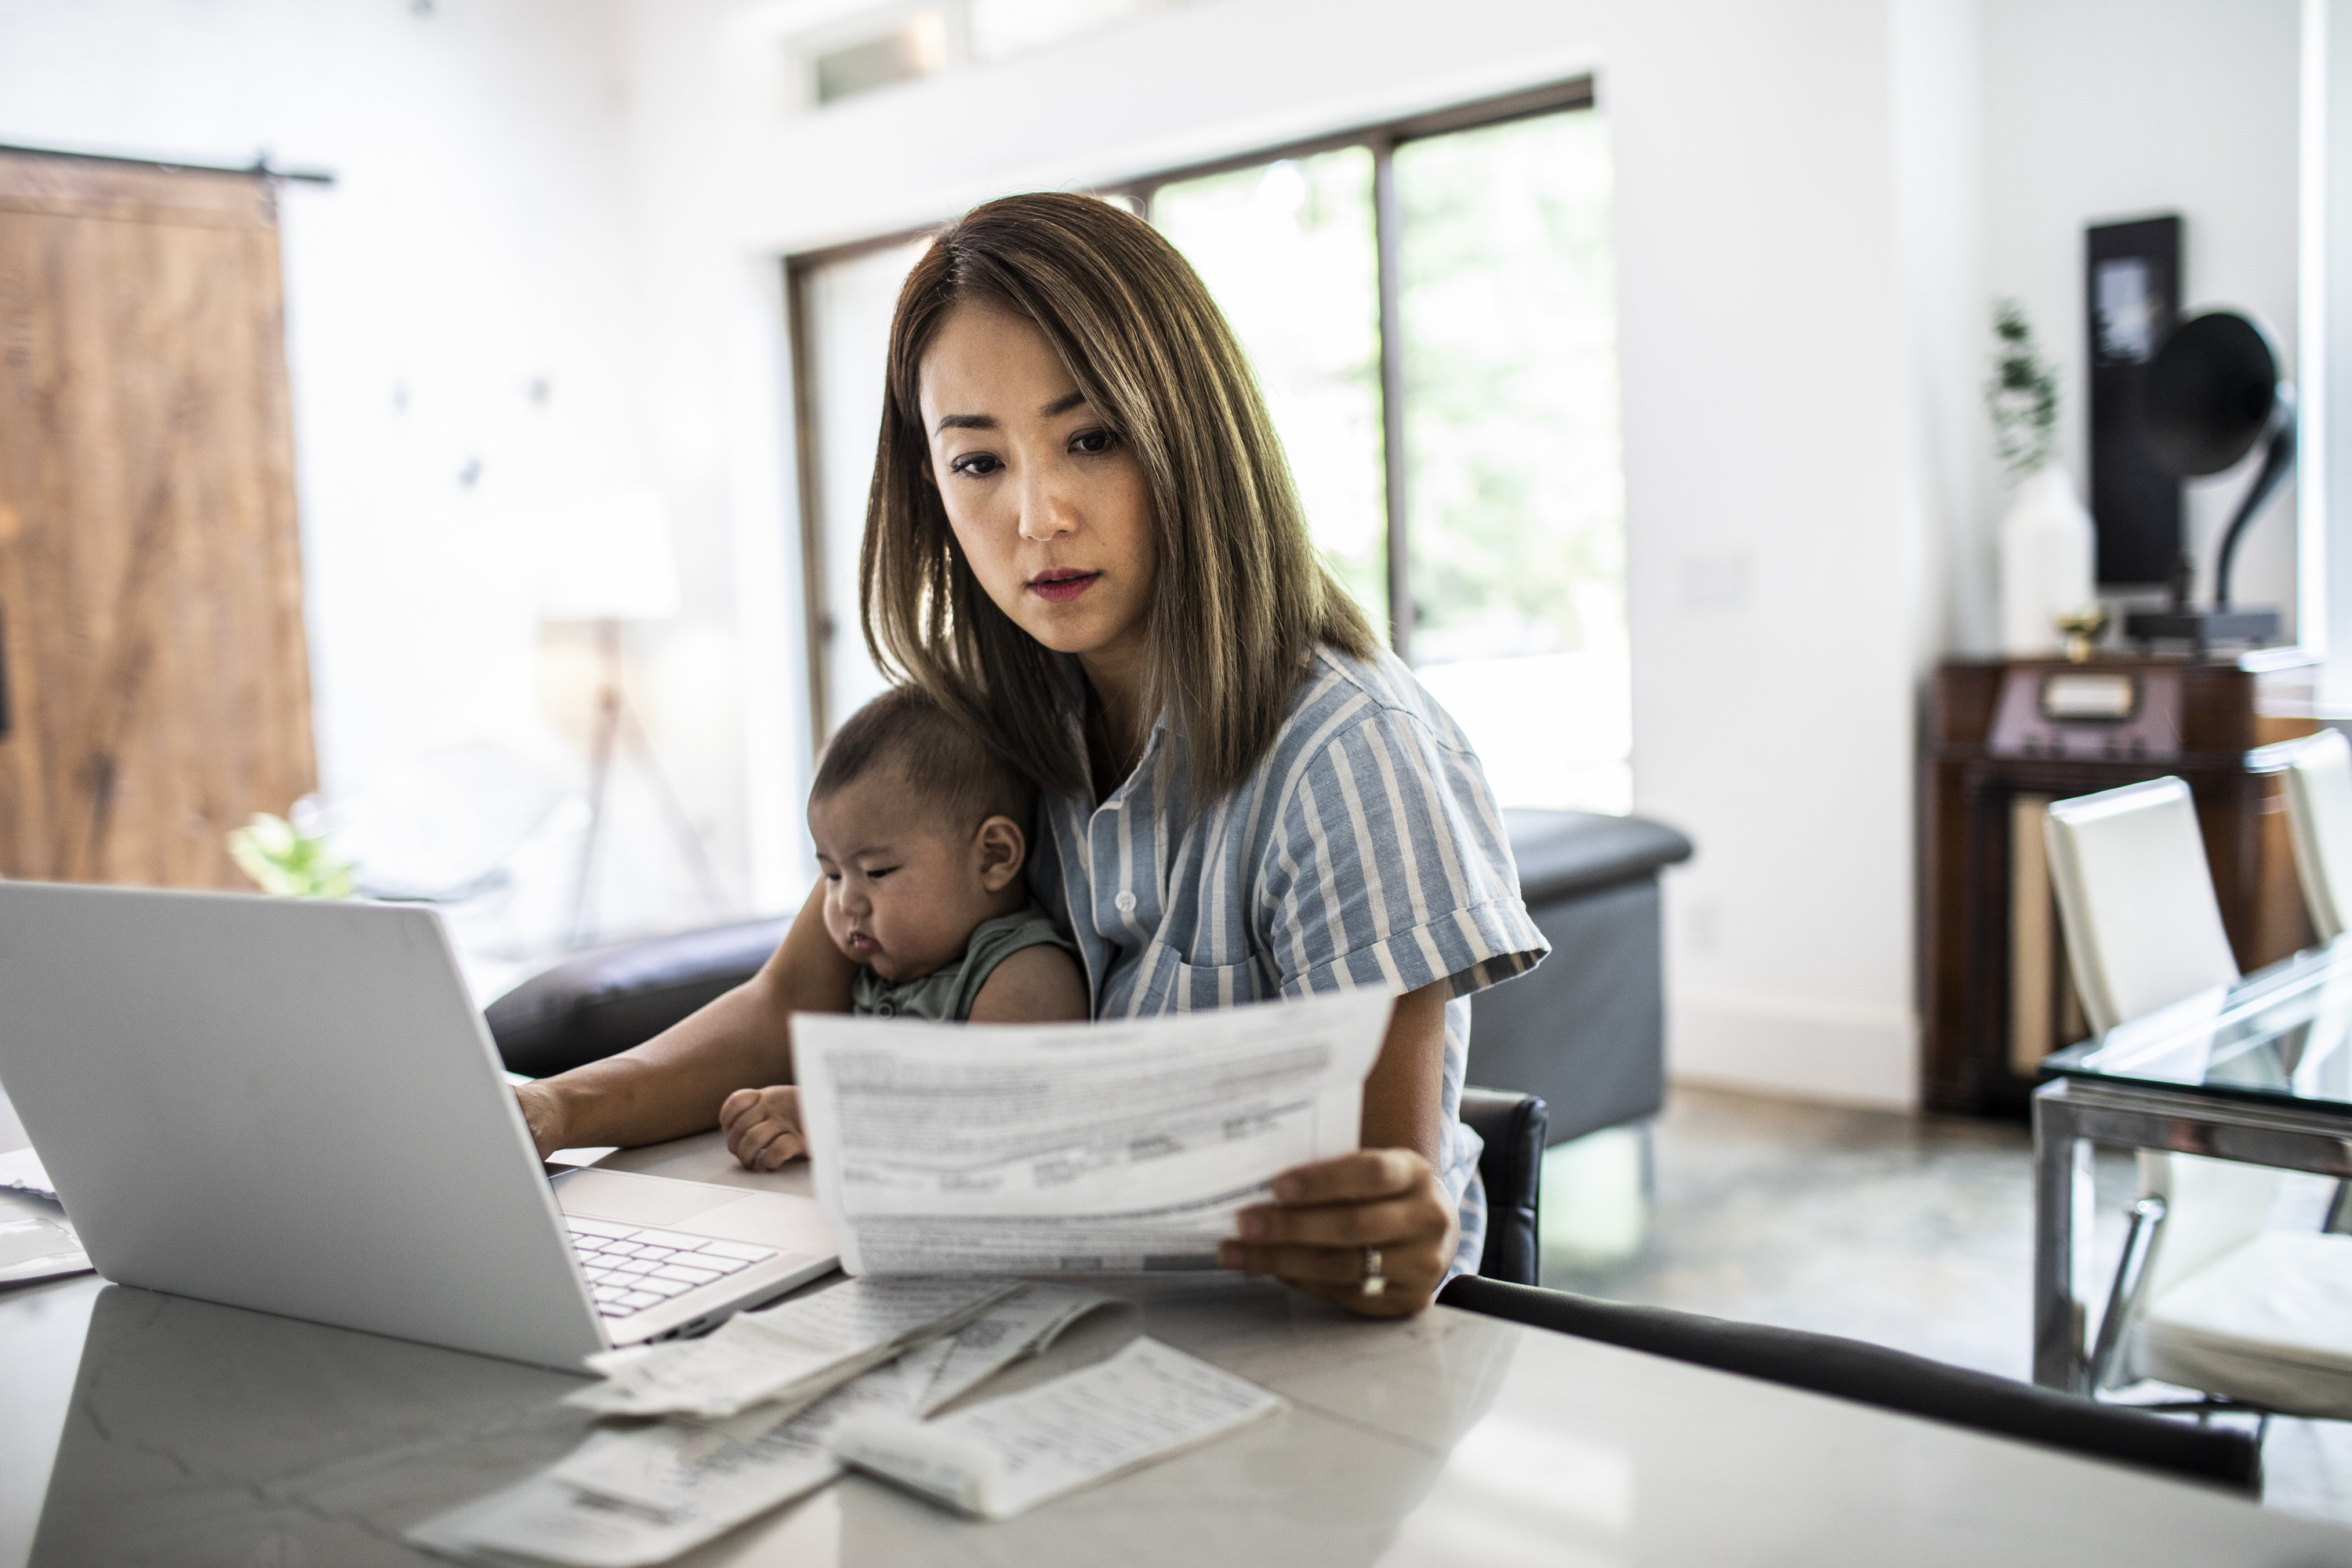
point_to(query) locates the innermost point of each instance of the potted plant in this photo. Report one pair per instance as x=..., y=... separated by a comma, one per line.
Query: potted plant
x=288, y=862
x=2045, y=536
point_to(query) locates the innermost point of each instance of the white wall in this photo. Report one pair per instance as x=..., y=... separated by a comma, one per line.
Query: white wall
x=1938, y=71
x=476, y=243
x=2097, y=110
x=1781, y=556
x=2327, y=332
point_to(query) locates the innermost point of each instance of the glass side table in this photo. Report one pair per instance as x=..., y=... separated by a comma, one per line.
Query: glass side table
x=2259, y=1071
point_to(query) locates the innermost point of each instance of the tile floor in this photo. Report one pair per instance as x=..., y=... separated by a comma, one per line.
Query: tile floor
x=1914, y=1232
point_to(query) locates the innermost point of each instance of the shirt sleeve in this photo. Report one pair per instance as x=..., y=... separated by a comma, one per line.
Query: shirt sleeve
x=1389, y=867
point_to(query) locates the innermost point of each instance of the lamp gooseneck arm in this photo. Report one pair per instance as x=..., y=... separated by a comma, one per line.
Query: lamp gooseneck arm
x=2276, y=461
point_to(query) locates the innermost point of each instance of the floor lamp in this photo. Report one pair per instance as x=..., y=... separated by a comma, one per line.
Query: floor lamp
x=613, y=563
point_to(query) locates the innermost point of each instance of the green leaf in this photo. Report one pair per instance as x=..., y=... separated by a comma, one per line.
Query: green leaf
x=284, y=861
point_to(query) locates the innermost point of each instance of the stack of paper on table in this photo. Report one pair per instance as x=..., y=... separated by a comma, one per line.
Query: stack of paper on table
x=20, y=1171
x=646, y=1494
x=788, y=1354
x=1005, y=1458
x=1088, y=1148
x=35, y=1247
x=677, y=1463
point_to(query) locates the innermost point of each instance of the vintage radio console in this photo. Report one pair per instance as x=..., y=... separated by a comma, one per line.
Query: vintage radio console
x=2007, y=738
x=2087, y=711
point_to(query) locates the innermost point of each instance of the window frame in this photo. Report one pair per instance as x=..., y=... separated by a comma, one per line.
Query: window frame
x=1382, y=139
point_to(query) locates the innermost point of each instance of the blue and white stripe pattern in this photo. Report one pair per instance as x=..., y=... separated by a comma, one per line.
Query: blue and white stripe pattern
x=1365, y=850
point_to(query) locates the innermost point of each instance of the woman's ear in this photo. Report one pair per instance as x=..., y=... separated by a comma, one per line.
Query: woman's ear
x=1003, y=848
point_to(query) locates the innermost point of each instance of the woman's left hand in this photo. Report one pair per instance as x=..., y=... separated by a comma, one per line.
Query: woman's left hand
x=1314, y=1236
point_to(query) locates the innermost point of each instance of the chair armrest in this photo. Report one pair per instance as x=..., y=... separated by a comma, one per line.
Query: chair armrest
x=1889, y=1379
x=1510, y=1166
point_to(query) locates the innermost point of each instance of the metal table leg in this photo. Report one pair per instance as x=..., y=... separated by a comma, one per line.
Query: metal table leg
x=2071, y=1116
x=2062, y=1209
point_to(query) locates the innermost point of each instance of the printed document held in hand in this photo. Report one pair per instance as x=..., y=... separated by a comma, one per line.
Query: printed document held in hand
x=1082, y=1148
x=1006, y=1457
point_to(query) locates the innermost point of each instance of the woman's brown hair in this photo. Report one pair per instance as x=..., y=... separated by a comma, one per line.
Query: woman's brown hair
x=1242, y=599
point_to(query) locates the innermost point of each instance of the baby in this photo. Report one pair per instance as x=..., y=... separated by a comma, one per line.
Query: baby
x=922, y=835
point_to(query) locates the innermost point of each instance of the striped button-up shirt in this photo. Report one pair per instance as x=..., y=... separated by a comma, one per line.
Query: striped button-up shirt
x=1366, y=849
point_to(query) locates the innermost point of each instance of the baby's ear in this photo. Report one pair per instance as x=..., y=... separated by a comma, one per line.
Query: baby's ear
x=1003, y=849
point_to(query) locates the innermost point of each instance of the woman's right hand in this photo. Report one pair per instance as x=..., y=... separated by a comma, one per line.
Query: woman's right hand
x=763, y=1126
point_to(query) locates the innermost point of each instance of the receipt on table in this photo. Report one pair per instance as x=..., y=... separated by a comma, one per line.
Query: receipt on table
x=35, y=1247
x=787, y=1354
x=20, y=1171
x=740, y=1466
x=648, y=1493
x=1122, y=1147
x=746, y=1464
x=651, y=1493
x=1004, y=1457
x=544, y=1521
x=1022, y=1325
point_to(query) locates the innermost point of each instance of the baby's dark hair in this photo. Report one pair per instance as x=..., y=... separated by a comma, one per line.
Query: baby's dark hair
x=944, y=763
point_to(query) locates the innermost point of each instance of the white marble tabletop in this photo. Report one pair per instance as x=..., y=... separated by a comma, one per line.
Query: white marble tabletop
x=141, y=1428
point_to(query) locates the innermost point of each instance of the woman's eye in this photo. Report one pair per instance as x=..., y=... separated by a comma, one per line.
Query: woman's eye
x=979, y=465
x=1093, y=442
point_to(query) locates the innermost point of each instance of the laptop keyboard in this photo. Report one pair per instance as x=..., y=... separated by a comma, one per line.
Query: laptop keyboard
x=630, y=1269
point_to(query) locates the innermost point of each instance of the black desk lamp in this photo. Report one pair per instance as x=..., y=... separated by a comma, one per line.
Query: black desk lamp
x=2212, y=392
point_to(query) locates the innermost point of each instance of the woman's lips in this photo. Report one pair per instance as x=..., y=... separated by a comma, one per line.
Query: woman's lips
x=1056, y=586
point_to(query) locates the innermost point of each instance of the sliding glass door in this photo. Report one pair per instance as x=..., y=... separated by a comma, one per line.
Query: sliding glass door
x=841, y=323
x=1287, y=248
x=1500, y=351
x=1514, y=509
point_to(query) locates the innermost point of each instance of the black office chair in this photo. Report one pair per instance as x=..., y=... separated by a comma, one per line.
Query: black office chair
x=1889, y=1379
x=1511, y=1168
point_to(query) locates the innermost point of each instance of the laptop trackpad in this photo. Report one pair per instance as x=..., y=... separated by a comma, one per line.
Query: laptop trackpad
x=624, y=1199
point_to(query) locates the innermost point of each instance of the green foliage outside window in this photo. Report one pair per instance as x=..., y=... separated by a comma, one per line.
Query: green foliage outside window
x=1517, y=513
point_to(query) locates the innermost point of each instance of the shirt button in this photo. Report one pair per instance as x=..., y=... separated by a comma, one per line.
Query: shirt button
x=883, y=1010
x=1124, y=903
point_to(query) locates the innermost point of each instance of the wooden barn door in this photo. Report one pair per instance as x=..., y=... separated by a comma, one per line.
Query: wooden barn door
x=154, y=684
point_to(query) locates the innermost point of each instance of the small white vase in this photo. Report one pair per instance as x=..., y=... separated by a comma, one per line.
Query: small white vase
x=2045, y=564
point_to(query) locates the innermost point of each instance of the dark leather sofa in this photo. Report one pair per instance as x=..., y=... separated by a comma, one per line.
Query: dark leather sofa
x=1586, y=1031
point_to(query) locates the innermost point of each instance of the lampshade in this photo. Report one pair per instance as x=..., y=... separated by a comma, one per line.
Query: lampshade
x=610, y=560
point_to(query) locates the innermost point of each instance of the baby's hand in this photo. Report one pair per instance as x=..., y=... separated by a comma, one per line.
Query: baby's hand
x=763, y=1126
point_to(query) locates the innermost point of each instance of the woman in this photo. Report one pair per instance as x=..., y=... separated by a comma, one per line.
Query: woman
x=1083, y=541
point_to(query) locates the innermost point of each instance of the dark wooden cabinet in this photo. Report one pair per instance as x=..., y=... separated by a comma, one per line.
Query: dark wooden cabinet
x=2003, y=739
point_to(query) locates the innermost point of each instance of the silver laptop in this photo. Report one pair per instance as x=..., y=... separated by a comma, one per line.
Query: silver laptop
x=296, y=1107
